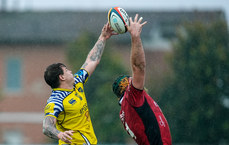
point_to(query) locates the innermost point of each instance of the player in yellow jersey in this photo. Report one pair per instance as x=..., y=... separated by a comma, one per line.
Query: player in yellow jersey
x=67, y=116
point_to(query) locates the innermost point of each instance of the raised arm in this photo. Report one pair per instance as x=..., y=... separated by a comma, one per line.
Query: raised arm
x=96, y=52
x=49, y=129
x=138, y=62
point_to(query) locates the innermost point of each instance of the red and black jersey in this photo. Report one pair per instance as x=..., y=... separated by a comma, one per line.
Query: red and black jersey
x=143, y=119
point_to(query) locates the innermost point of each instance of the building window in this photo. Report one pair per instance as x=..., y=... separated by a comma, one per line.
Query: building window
x=13, y=74
x=12, y=137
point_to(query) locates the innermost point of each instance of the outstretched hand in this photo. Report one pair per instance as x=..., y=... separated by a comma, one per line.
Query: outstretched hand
x=107, y=31
x=135, y=26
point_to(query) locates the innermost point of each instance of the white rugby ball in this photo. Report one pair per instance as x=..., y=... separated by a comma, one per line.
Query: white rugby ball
x=118, y=19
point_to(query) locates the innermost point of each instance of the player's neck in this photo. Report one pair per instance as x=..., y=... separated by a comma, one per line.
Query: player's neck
x=66, y=86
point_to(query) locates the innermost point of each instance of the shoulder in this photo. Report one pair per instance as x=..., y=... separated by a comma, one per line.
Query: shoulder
x=55, y=103
x=81, y=76
x=133, y=90
x=81, y=72
x=134, y=96
x=57, y=96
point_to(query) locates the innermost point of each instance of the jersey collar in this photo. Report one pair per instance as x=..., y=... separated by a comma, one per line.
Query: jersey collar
x=62, y=89
x=120, y=101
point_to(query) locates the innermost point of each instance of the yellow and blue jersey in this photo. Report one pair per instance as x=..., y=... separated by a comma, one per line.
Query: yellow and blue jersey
x=70, y=109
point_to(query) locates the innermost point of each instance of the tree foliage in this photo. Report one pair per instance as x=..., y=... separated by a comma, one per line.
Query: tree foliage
x=102, y=103
x=195, y=96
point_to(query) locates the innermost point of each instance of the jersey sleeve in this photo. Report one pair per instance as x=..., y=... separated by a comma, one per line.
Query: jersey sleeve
x=53, y=108
x=135, y=96
x=81, y=76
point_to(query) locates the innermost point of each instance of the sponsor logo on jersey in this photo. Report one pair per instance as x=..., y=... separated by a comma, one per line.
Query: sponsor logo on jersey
x=83, y=109
x=77, y=95
x=80, y=90
x=72, y=101
x=49, y=108
x=161, y=122
x=122, y=116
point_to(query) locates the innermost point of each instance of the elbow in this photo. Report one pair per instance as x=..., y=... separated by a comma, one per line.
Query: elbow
x=45, y=130
x=94, y=62
x=139, y=66
x=143, y=66
x=138, y=63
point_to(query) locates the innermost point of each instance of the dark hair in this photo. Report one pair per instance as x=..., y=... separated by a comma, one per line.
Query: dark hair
x=51, y=74
x=120, y=84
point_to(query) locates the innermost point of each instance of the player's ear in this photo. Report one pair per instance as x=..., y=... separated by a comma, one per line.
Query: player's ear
x=61, y=77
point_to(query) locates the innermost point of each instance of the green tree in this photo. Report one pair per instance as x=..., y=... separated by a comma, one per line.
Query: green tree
x=102, y=103
x=195, y=96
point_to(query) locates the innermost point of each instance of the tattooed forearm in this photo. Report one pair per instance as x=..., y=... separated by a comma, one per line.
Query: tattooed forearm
x=97, y=53
x=49, y=128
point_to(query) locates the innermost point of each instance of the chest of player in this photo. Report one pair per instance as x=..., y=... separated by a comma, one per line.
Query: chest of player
x=75, y=104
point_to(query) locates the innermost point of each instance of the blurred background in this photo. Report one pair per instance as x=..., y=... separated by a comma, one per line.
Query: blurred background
x=187, y=53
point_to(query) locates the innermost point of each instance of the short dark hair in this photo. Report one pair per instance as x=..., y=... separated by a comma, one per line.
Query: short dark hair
x=120, y=84
x=51, y=74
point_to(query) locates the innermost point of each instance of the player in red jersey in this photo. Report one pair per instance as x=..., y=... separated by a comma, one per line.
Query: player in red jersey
x=141, y=116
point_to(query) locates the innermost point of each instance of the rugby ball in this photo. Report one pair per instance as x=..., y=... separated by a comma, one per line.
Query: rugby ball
x=118, y=19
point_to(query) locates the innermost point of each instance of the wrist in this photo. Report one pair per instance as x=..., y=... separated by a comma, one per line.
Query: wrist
x=102, y=37
x=59, y=135
x=135, y=37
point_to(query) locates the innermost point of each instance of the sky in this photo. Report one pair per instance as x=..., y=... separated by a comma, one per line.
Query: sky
x=105, y=5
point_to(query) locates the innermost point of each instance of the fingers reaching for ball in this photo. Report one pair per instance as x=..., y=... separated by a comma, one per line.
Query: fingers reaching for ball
x=113, y=32
x=136, y=25
x=136, y=20
x=107, y=32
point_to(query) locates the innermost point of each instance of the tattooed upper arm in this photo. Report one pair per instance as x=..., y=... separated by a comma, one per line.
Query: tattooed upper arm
x=84, y=65
x=49, y=127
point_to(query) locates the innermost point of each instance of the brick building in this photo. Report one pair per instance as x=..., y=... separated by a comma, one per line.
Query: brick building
x=30, y=41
